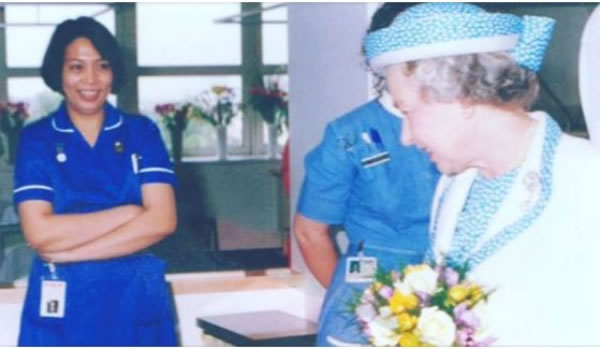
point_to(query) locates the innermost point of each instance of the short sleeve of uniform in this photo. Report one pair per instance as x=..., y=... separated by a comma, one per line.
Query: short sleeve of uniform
x=329, y=175
x=154, y=165
x=32, y=180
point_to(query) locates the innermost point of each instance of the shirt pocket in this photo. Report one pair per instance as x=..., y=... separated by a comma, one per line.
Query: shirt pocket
x=370, y=160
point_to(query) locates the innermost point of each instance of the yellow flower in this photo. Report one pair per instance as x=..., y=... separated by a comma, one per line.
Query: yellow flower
x=458, y=293
x=401, y=302
x=408, y=339
x=475, y=293
x=218, y=89
x=406, y=322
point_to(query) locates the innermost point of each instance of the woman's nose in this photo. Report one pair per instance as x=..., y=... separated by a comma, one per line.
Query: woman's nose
x=91, y=75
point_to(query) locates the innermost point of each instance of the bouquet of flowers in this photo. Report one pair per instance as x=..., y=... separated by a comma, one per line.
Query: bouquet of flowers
x=271, y=102
x=217, y=106
x=175, y=118
x=12, y=116
x=423, y=305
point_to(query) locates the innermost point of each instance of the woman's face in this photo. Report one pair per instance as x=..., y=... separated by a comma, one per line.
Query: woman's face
x=86, y=79
x=438, y=128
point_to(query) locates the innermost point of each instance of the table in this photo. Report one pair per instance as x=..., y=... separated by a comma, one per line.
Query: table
x=263, y=328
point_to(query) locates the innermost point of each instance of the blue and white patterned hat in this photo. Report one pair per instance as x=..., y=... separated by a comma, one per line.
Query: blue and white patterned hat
x=431, y=30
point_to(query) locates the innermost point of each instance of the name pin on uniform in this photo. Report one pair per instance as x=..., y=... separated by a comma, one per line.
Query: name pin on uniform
x=119, y=147
x=60, y=153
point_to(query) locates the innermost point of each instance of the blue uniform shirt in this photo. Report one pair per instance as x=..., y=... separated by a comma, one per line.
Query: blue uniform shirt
x=90, y=178
x=119, y=301
x=385, y=204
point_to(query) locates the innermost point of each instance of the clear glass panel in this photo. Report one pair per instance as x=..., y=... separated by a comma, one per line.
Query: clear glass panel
x=26, y=45
x=275, y=36
x=40, y=99
x=199, y=138
x=186, y=34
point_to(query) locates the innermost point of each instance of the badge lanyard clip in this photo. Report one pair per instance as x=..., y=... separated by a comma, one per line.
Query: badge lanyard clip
x=52, y=269
x=361, y=252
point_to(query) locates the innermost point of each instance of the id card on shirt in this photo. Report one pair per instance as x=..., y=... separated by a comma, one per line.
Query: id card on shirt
x=361, y=269
x=53, y=298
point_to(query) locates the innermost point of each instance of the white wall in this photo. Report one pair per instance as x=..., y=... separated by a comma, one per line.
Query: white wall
x=326, y=77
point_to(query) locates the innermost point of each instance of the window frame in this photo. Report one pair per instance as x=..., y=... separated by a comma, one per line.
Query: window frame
x=253, y=143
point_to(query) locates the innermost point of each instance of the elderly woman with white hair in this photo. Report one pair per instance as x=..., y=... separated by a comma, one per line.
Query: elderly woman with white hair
x=518, y=199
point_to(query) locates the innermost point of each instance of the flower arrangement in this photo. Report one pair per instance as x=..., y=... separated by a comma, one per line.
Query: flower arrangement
x=13, y=116
x=217, y=106
x=423, y=305
x=271, y=102
x=12, y=119
x=175, y=118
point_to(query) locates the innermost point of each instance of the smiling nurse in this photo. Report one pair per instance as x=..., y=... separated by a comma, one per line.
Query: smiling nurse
x=93, y=187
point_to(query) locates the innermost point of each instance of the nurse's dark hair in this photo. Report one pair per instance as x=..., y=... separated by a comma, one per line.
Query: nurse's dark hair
x=382, y=18
x=70, y=30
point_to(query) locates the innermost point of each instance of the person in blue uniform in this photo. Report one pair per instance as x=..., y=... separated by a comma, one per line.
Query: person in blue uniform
x=362, y=177
x=93, y=188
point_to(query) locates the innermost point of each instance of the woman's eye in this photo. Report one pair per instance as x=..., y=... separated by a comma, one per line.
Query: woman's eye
x=75, y=67
x=105, y=65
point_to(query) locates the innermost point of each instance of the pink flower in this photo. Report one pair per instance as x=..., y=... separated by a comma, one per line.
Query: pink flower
x=450, y=276
x=464, y=316
x=386, y=292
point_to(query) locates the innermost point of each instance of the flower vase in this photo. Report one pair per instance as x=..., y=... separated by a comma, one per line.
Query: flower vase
x=222, y=142
x=273, y=145
x=176, y=144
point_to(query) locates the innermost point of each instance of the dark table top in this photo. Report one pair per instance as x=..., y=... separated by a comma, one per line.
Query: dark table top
x=263, y=328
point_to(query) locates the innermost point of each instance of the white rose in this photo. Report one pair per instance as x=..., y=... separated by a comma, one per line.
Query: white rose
x=436, y=327
x=421, y=279
x=382, y=331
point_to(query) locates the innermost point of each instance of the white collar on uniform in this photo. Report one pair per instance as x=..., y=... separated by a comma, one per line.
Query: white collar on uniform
x=388, y=104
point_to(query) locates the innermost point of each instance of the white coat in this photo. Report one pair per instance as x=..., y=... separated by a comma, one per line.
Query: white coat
x=546, y=280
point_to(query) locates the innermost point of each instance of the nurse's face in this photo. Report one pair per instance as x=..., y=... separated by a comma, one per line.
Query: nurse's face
x=87, y=79
x=437, y=128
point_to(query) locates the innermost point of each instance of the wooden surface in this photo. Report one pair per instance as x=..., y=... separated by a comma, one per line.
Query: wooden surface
x=260, y=328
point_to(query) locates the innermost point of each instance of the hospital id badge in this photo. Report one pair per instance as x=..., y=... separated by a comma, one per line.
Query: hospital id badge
x=361, y=269
x=53, y=298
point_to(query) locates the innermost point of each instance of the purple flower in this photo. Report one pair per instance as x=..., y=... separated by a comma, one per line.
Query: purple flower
x=450, y=276
x=464, y=316
x=464, y=337
x=386, y=292
x=423, y=298
x=485, y=342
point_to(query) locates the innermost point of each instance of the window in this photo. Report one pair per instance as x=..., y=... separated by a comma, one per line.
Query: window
x=32, y=25
x=177, y=71
x=199, y=138
x=160, y=29
x=174, y=52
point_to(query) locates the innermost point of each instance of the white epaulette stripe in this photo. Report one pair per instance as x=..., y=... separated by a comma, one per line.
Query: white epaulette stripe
x=156, y=169
x=29, y=187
